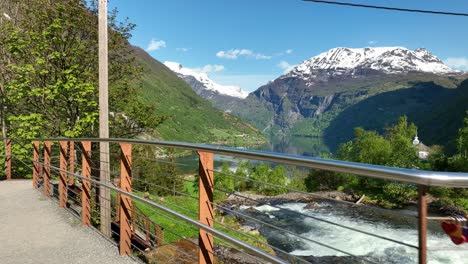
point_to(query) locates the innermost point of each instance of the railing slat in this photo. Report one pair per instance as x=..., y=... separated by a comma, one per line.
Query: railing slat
x=46, y=170
x=63, y=175
x=422, y=223
x=125, y=202
x=36, y=164
x=86, y=185
x=71, y=162
x=206, y=213
x=8, y=159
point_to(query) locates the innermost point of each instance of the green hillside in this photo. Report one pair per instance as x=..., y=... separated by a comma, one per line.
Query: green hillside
x=190, y=117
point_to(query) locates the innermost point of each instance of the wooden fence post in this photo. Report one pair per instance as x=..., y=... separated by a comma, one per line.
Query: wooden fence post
x=125, y=201
x=71, y=162
x=63, y=174
x=205, y=213
x=46, y=169
x=86, y=185
x=8, y=159
x=36, y=165
x=422, y=223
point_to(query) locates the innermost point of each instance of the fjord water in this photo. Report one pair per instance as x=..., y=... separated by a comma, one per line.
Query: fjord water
x=297, y=145
x=404, y=229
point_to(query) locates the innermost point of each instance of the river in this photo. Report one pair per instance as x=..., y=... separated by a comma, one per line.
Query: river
x=404, y=229
x=442, y=250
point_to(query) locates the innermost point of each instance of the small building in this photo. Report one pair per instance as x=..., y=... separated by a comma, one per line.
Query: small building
x=423, y=151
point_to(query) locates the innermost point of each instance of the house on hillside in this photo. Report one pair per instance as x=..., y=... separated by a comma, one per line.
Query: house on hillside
x=423, y=151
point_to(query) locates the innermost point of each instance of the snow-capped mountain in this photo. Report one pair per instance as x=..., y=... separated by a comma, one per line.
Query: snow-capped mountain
x=384, y=82
x=345, y=62
x=203, y=85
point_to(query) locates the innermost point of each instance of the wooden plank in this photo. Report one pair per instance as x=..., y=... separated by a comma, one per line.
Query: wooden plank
x=86, y=189
x=36, y=164
x=63, y=174
x=46, y=168
x=125, y=201
x=206, y=213
x=8, y=159
x=422, y=223
x=71, y=162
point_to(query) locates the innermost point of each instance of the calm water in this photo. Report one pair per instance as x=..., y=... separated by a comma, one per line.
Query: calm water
x=304, y=146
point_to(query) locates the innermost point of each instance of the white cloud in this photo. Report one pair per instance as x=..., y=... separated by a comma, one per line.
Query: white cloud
x=209, y=68
x=289, y=51
x=234, y=54
x=156, y=45
x=182, y=49
x=285, y=66
x=372, y=42
x=458, y=63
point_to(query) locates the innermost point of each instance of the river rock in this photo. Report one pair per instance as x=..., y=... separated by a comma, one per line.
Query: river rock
x=312, y=205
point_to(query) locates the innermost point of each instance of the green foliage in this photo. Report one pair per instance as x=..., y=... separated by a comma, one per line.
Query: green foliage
x=158, y=178
x=462, y=140
x=319, y=180
x=392, y=149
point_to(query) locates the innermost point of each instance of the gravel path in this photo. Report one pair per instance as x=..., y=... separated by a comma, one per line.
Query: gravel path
x=34, y=230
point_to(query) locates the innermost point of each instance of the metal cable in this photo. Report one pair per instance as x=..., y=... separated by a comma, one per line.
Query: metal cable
x=173, y=191
x=165, y=174
x=164, y=161
x=259, y=241
x=319, y=196
x=389, y=8
x=324, y=220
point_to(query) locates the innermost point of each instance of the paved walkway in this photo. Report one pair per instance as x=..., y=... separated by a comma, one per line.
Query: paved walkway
x=34, y=230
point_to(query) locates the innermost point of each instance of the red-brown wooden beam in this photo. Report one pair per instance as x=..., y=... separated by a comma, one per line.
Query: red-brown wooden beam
x=86, y=185
x=206, y=213
x=8, y=159
x=125, y=201
x=63, y=174
x=71, y=162
x=422, y=226
x=46, y=168
x=36, y=165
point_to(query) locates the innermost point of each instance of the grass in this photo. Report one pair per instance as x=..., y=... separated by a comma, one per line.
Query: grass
x=175, y=229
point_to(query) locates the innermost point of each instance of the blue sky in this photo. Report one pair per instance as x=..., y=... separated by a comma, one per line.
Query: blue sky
x=249, y=42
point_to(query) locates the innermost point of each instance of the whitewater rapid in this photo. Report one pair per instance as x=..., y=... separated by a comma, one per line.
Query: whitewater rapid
x=441, y=249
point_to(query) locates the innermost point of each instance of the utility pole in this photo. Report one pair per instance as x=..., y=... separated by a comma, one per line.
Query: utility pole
x=3, y=107
x=104, y=174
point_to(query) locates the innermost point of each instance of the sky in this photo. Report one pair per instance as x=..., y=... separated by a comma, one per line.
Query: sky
x=250, y=42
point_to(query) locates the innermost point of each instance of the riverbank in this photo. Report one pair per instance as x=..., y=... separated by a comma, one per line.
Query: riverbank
x=238, y=199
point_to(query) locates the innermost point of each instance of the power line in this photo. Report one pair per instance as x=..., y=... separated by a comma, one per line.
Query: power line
x=389, y=8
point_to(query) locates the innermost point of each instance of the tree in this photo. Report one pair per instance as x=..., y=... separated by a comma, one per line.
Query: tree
x=392, y=149
x=462, y=139
x=50, y=81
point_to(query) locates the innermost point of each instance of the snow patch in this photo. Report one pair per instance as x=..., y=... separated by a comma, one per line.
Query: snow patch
x=389, y=60
x=230, y=90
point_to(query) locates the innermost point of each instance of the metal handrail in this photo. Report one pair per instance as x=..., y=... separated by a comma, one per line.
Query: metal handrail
x=420, y=177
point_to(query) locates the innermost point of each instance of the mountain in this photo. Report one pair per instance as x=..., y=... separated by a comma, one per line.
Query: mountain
x=355, y=63
x=222, y=96
x=191, y=118
x=330, y=94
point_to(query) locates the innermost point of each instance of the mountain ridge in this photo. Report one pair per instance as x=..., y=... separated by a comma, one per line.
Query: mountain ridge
x=306, y=100
x=204, y=80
